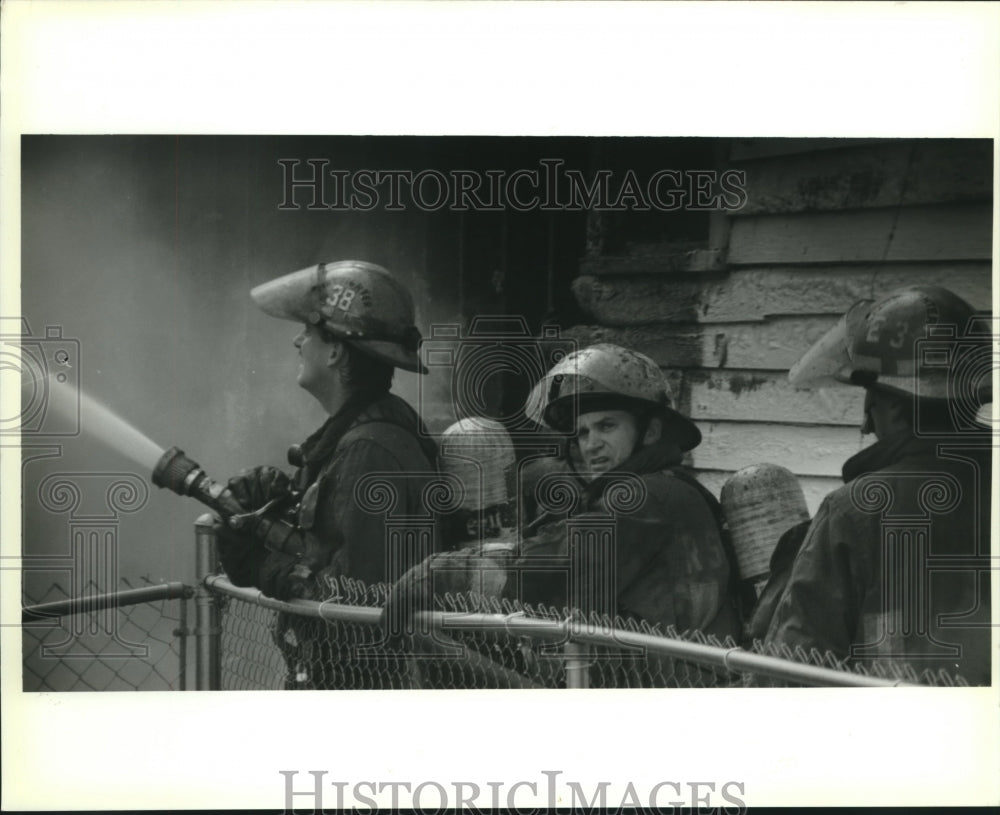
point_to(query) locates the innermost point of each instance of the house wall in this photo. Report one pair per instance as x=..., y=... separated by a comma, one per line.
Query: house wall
x=826, y=222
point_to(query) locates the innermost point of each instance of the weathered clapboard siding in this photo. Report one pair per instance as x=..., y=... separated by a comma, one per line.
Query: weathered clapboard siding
x=891, y=174
x=814, y=450
x=815, y=488
x=754, y=396
x=939, y=233
x=770, y=345
x=827, y=222
x=757, y=292
x=653, y=262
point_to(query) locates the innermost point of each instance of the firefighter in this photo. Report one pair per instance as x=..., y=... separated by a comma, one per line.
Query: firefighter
x=668, y=558
x=357, y=327
x=477, y=453
x=894, y=565
x=479, y=536
x=478, y=533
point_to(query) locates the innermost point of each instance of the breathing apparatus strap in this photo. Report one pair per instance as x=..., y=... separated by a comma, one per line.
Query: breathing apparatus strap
x=736, y=591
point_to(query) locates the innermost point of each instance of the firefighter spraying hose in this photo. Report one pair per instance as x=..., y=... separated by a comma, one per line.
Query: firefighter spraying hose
x=302, y=535
x=299, y=534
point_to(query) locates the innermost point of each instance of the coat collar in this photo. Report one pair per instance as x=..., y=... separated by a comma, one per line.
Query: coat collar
x=886, y=452
x=362, y=408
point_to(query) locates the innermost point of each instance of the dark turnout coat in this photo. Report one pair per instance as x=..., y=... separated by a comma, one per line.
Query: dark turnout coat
x=642, y=542
x=895, y=564
x=363, y=478
x=368, y=463
x=354, y=480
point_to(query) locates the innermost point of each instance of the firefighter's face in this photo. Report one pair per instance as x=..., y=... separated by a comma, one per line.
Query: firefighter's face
x=605, y=439
x=314, y=357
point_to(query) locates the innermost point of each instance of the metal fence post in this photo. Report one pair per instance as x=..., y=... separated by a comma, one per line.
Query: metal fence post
x=207, y=623
x=181, y=632
x=577, y=657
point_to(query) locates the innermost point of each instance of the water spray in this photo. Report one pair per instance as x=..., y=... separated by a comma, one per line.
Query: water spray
x=173, y=470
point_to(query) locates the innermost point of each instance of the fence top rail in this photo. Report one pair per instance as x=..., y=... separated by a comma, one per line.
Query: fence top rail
x=98, y=602
x=518, y=624
x=732, y=659
x=326, y=610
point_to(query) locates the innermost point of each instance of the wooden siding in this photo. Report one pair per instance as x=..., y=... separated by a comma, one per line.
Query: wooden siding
x=753, y=396
x=813, y=450
x=827, y=222
x=755, y=293
x=770, y=345
x=890, y=174
x=956, y=232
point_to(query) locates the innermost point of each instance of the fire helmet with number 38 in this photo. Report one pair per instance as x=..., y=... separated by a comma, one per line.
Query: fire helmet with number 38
x=355, y=301
x=911, y=341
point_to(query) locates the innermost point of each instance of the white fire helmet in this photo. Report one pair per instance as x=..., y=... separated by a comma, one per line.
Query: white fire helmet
x=912, y=341
x=607, y=377
x=357, y=302
x=479, y=453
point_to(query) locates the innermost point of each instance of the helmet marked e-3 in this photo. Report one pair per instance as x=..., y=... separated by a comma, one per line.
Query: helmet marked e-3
x=904, y=342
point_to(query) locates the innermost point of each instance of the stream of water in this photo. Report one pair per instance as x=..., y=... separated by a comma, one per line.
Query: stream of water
x=98, y=421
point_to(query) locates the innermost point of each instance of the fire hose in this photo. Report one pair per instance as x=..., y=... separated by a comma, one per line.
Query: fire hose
x=178, y=473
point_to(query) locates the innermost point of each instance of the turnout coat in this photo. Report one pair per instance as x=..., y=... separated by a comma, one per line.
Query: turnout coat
x=366, y=465
x=895, y=565
x=644, y=542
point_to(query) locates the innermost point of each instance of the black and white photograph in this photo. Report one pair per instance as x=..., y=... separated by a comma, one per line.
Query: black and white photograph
x=464, y=432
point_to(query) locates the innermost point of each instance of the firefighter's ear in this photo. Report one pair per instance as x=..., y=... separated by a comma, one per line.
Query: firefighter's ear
x=336, y=355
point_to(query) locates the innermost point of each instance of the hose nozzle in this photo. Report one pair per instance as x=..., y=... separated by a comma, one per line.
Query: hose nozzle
x=177, y=472
x=180, y=474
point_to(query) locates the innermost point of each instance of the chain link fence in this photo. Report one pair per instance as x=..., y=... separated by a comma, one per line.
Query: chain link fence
x=132, y=639
x=136, y=639
x=469, y=642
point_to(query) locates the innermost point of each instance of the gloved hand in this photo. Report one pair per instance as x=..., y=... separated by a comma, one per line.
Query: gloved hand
x=285, y=577
x=241, y=555
x=477, y=572
x=256, y=487
x=248, y=563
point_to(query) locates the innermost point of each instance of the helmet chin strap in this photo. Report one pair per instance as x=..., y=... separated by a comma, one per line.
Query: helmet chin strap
x=642, y=423
x=868, y=425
